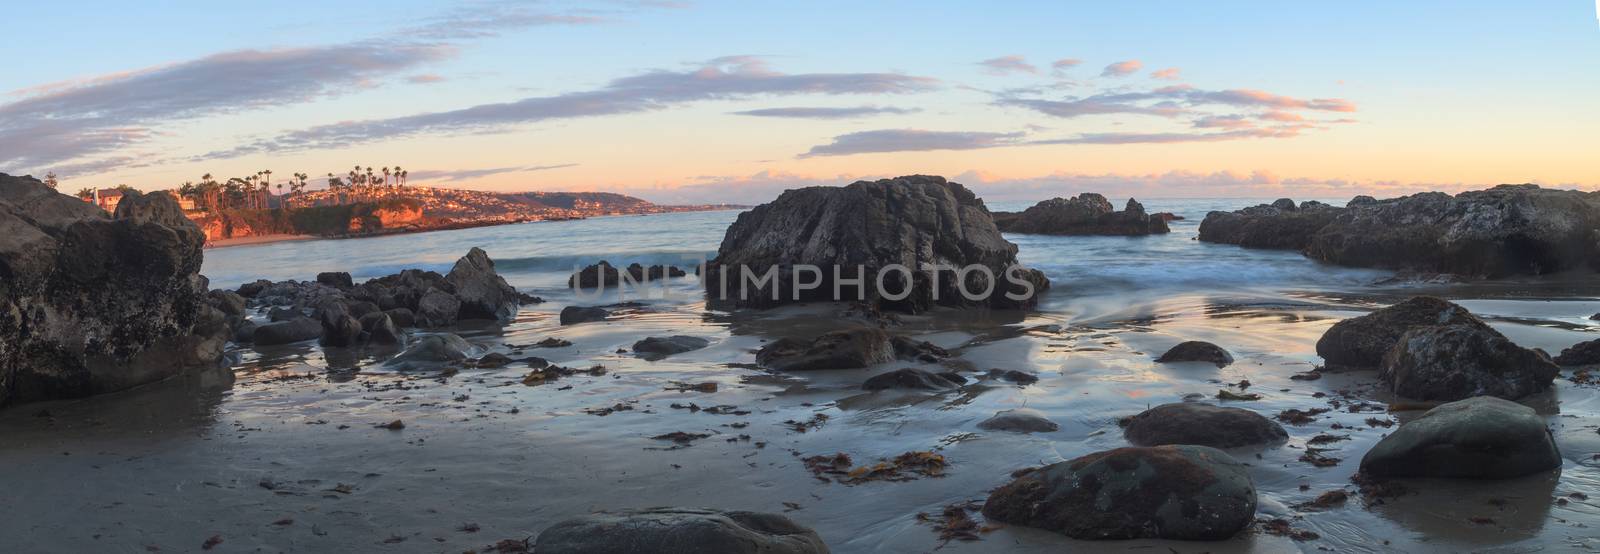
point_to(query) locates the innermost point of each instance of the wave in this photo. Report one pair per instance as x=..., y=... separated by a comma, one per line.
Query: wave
x=565, y=263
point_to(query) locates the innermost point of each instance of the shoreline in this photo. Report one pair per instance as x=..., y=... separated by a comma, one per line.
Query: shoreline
x=257, y=239
x=443, y=226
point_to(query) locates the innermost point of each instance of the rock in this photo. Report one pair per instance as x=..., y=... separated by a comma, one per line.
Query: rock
x=661, y=347
x=284, y=314
x=1019, y=420
x=91, y=303
x=1595, y=317
x=1505, y=230
x=493, y=360
x=437, y=308
x=1015, y=376
x=285, y=332
x=380, y=328
x=1361, y=342
x=598, y=275
x=844, y=349
x=1453, y=362
x=244, y=332
x=913, y=379
x=573, y=315
x=1197, y=351
x=1182, y=492
x=1202, y=424
x=402, y=317
x=1280, y=225
x=679, y=531
x=1086, y=214
x=1477, y=438
x=1361, y=200
x=906, y=348
x=250, y=290
x=433, y=349
x=360, y=308
x=1583, y=353
x=482, y=292
x=339, y=328
x=229, y=303
x=860, y=229
x=336, y=279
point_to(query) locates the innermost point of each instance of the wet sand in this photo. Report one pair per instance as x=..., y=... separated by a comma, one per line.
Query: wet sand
x=287, y=457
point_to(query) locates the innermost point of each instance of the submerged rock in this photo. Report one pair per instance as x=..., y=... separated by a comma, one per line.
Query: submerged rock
x=1086, y=214
x=661, y=347
x=844, y=349
x=1019, y=420
x=679, y=531
x=433, y=349
x=1197, y=351
x=1014, y=376
x=573, y=315
x=1452, y=362
x=91, y=303
x=605, y=275
x=1163, y=492
x=1202, y=424
x=1477, y=438
x=860, y=229
x=913, y=379
x=1362, y=342
x=1583, y=353
x=285, y=332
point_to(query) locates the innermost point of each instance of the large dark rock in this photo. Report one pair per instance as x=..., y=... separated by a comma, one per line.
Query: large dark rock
x=483, y=293
x=1197, y=351
x=1361, y=342
x=1477, y=438
x=1086, y=214
x=380, y=328
x=339, y=328
x=1181, y=492
x=432, y=350
x=1583, y=353
x=679, y=531
x=1280, y=225
x=845, y=349
x=860, y=229
x=285, y=332
x=1452, y=362
x=656, y=348
x=437, y=308
x=1019, y=420
x=911, y=378
x=573, y=315
x=1202, y=424
x=91, y=303
x=605, y=275
x=336, y=279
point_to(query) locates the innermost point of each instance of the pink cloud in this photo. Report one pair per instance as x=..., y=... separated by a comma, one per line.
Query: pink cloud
x=1122, y=69
x=1168, y=74
x=1006, y=65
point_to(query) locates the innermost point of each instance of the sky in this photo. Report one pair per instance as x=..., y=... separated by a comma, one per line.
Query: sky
x=701, y=102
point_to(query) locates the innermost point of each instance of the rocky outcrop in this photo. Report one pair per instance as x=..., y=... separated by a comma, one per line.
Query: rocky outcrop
x=680, y=531
x=844, y=349
x=1583, y=353
x=573, y=315
x=1361, y=342
x=862, y=230
x=655, y=348
x=1505, y=230
x=605, y=275
x=1163, y=492
x=483, y=293
x=1281, y=225
x=1453, y=362
x=1086, y=214
x=1477, y=438
x=1202, y=424
x=910, y=378
x=1197, y=351
x=91, y=303
x=1019, y=420
x=285, y=332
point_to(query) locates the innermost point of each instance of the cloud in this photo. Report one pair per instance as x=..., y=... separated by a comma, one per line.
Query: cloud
x=483, y=20
x=910, y=140
x=1234, y=121
x=1176, y=137
x=1168, y=74
x=729, y=78
x=1281, y=116
x=1065, y=63
x=66, y=121
x=438, y=175
x=1122, y=69
x=828, y=113
x=425, y=78
x=1093, y=105
x=1006, y=65
x=1170, y=101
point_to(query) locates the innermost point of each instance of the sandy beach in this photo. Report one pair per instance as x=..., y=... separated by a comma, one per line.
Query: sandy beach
x=261, y=239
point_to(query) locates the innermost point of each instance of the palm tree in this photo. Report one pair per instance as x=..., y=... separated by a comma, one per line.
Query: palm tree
x=86, y=193
x=385, y=177
x=402, y=176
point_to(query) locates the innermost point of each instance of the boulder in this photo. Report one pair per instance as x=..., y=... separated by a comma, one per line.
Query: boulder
x=433, y=349
x=437, y=308
x=91, y=303
x=228, y=302
x=493, y=360
x=483, y=293
x=251, y=289
x=1202, y=424
x=1086, y=214
x=595, y=276
x=1361, y=342
x=1361, y=200
x=679, y=531
x=860, y=230
x=1181, y=492
x=285, y=332
x=336, y=279
x=1015, y=376
x=1453, y=362
x=339, y=328
x=573, y=315
x=1477, y=438
x=402, y=317
x=284, y=313
x=380, y=328
x=844, y=349
x=1583, y=353
x=1019, y=420
x=1197, y=351
x=244, y=331
x=911, y=378
x=661, y=347
x=1281, y=225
